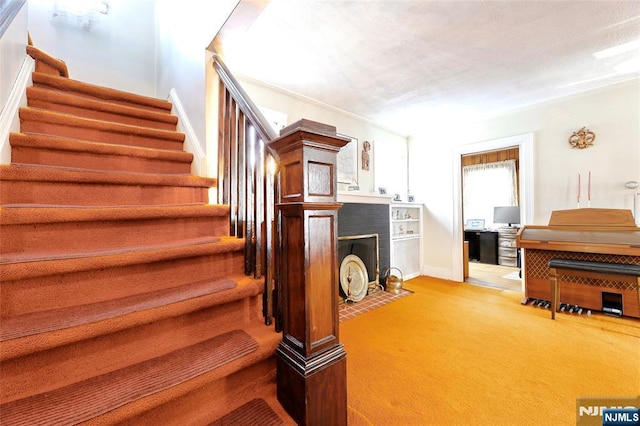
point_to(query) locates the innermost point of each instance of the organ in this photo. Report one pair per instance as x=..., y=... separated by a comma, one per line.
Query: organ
x=595, y=235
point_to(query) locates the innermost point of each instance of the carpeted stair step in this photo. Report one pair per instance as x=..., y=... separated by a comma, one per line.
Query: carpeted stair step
x=20, y=184
x=254, y=412
x=80, y=88
x=33, y=120
x=46, y=63
x=35, y=332
x=218, y=399
x=65, y=152
x=32, y=283
x=53, y=230
x=98, y=109
x=138, y=387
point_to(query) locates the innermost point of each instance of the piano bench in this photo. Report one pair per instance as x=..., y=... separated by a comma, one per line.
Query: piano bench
x=568, y=265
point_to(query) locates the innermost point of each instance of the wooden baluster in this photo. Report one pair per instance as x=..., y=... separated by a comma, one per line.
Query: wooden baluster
x=242, y=177
x=277, y=249
x=249, y=251
x=233, y=170
x=260, y=207
x=269, y=207
x=224, y=146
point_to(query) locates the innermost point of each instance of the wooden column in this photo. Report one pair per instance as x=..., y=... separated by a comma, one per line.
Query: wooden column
x=311, y=362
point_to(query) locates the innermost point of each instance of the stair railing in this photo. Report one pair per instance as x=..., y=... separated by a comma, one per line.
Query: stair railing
x=246, y=181
x=298, y=237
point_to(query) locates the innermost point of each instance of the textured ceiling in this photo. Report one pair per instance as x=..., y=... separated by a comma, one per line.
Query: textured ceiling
x=410, y=64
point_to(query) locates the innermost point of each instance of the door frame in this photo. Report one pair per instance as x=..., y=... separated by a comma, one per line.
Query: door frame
x=524, y=142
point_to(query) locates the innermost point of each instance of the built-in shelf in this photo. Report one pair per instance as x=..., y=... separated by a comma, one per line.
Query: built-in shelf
x=406, y=238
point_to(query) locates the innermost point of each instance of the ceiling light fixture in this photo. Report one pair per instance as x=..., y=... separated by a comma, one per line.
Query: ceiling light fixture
x=617, y=50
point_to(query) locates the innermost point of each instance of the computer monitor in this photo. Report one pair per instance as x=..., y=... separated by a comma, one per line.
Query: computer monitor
x=507, y=214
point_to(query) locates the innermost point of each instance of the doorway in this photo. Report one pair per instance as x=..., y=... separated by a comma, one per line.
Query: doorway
x=489, y=179
x=524, y=145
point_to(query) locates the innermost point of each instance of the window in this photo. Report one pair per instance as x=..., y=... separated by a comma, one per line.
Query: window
x=486, y=186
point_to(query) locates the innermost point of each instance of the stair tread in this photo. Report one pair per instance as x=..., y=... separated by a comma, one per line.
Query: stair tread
x=102, y=105
x=256, y=411
x=35, y=140
x=46, y=116
x=10, y=258
x=39, y=331
x=21, y=266
x=97, y=91
x=33, y=172
x=28, y=214
x=97, y=395
x=15, y=327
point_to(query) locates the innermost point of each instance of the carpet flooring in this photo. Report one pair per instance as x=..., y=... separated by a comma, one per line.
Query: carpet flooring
x=254, y=412
x=455, y=353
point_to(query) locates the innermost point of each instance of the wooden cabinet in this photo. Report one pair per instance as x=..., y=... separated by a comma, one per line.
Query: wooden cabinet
x=406, y=238
x=483, y=246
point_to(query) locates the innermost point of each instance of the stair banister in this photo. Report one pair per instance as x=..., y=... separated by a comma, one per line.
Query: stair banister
x=245, y=182
x=289, y=220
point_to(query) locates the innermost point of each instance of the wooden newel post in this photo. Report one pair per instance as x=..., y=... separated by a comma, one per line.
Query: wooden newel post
x=311, y=362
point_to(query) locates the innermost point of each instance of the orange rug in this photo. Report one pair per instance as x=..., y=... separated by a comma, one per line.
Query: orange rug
x=453, y=353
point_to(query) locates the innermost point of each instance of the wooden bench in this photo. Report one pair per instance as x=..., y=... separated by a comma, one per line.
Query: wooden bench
x=578, y=267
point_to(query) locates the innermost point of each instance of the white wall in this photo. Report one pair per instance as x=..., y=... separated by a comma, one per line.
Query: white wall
x=12, y=51
x=119, y=51
x=149, y=47
x=613, y=113
x=388, y=167
x=15, y=76
x=185, y=30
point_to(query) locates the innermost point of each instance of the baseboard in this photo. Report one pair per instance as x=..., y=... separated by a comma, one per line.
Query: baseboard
x=9, y=118
x=442, y=273
x=191, y=143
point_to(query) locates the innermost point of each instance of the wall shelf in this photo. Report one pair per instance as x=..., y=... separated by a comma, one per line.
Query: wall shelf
x=406, y=238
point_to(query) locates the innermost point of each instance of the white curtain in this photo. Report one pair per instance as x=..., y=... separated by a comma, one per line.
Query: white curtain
x=486, y=186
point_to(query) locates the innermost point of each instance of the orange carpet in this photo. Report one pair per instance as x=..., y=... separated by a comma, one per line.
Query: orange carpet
x=453, y=354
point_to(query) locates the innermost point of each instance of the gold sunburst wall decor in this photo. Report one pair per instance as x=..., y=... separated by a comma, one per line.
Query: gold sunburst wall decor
x=583, y=138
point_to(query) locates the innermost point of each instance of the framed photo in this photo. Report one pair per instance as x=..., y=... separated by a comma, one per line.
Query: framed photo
x=382, y=190
x=348, y=162
x=410, y=198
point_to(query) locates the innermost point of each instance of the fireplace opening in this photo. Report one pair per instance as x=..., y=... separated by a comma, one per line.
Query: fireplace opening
x=366, y=248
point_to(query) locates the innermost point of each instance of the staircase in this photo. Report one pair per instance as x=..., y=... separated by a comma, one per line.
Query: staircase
x=123, y=297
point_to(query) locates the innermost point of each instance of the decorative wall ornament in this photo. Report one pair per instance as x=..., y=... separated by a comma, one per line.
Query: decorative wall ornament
x=583, y=138
x=366, y=147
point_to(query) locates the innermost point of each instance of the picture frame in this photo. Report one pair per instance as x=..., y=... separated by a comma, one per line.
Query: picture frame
x=347, y=162
x=411, y=198
x=382, y=190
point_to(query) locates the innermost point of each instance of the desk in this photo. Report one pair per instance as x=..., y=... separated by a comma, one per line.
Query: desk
x=483, y=246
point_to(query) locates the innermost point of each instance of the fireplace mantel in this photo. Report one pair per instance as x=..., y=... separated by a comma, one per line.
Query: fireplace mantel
x=363, y=197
